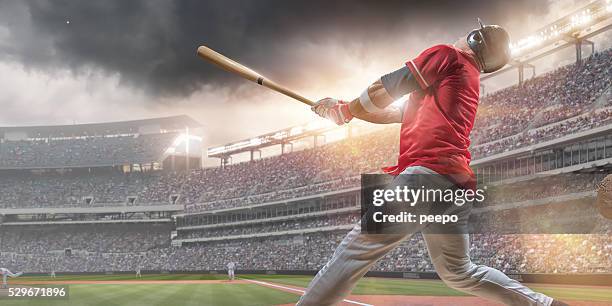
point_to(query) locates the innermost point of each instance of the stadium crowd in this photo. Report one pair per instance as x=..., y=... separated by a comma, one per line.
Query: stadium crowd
x=557, y=95
x=192, y=189
x=197, y=188
x=584, y=122
x=542, y=187
x=574, y=215
x=270, y=227
x=299, y=173
x=101, y=187
x=37, y=239
x=83, y=151
x=509, y=253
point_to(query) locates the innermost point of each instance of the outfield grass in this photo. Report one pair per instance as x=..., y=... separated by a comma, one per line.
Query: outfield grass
x=603, y=294
x=376, y=286
x=117, y=277
x=225, y=294
x=165, y=295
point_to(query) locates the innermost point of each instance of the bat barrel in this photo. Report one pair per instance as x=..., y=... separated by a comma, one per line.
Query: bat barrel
x=230, y=65
x=227, y=64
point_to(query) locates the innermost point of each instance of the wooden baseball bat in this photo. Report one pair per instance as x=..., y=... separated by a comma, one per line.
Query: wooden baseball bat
x=245, y=72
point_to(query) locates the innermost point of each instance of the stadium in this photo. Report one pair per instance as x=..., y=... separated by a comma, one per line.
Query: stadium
x=85, y=206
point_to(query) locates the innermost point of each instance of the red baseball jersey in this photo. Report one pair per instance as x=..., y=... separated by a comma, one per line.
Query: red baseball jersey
x=438, y=118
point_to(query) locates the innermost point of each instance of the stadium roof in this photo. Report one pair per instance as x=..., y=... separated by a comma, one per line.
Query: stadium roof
x=274, y=138
x=171, y=123
x=572, y=29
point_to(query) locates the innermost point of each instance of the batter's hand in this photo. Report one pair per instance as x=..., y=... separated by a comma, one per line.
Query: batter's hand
x=334, y=110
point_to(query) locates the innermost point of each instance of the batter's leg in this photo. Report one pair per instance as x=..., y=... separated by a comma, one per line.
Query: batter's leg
x=450, y=256
x=358, y=251
x=351, y=260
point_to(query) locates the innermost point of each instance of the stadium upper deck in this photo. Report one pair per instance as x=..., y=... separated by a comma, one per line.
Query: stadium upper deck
x=90, y=145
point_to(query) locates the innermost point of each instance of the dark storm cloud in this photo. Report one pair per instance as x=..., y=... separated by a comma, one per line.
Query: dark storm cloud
x=151, y=44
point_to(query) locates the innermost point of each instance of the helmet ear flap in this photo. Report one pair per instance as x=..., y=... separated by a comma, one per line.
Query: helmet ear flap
x=475, y=38
x=475, y=41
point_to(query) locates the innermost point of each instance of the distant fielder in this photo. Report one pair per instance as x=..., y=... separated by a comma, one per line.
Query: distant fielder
x=138, y=275
x=52, y=274
x=230, y=270
x=444, y=83
x=6, y=274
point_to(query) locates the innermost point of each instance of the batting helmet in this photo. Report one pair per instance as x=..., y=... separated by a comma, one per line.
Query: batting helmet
x=491, y=44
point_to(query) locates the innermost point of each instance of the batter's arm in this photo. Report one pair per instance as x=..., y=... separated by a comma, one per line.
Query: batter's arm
x=374, y=104
x=378, y=93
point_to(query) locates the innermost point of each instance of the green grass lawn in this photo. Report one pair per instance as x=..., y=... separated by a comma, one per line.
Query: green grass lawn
x=437, y=288
x=603, y=294
x=373, y=285
x=116, y=277
x=165, y=295
x=223, y=294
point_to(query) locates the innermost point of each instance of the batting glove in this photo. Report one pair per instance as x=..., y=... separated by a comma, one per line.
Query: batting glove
x=334, y=110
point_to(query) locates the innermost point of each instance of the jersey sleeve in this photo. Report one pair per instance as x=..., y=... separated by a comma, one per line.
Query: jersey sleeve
x=399, y=82
x=433, y=65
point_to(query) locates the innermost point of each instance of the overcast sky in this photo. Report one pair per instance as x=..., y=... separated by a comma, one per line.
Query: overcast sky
x=64, y=62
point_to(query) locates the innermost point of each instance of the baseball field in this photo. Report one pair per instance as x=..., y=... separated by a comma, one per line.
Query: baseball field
x=213, y=289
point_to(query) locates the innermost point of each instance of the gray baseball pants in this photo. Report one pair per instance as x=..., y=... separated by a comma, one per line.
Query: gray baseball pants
x=449, y=254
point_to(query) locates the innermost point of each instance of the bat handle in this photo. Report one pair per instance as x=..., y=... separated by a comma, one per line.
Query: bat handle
x=285, y=91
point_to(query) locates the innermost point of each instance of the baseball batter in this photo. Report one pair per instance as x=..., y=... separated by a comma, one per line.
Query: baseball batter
x=230, y=270
x=443, y=83
x=6, y=274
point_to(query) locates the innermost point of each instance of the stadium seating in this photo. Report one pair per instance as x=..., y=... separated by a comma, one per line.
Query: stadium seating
x=557, y=95
x=106, y=251
x=83, y=151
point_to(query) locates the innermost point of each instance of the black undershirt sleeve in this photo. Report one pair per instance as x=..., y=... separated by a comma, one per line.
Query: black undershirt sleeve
x=399, y=83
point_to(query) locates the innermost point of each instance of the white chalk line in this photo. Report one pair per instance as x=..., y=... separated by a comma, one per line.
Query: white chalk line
x=298, y=290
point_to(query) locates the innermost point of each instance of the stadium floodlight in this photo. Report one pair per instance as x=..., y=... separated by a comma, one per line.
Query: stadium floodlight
x=526, y=43
x=255, y=141
x=215, y=150
x=296, y=130
x=237, y=145
x=581, y=18
x=182, y=140
x=280, y=135
x=570, y=25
